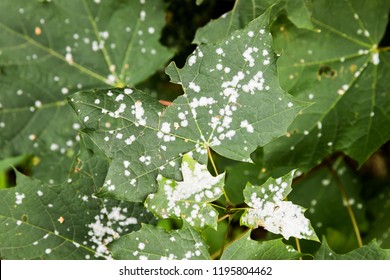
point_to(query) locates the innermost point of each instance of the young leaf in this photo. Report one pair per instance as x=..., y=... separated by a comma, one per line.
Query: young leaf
x=188, y=200
x=40, y=221
x=371, y=251
x=269, y=210
x=155, y=243
x=247, y=249
x=221, y=84
x=341, y=69
x=49, y=49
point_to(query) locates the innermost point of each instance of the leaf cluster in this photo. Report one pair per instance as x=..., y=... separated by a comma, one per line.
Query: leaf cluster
x=274, y=146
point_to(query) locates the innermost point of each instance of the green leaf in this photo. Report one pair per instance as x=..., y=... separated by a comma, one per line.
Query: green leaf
x=378, y=209
x=247, y=249
x=189, y=199
x=371, y=251
x=155, y=243
x=49, y=49
x=40, y=221
x=221, y=83
x=244, y=12
x=269, y=210
x=343, y=71
x=320, y=192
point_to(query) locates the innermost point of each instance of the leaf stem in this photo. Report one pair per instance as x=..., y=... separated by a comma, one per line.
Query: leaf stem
x=212, y=160
x=228, y=202
x=384, y=49
x=298, y=246
x=223, y=217
x=345, y=198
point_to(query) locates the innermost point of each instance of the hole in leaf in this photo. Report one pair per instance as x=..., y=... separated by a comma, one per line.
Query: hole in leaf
x=326, y=72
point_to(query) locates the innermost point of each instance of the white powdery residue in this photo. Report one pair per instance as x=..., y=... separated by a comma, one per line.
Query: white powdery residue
x=102, y=230
x=230, y=87
x=256, y=83
x=119, y=111
x=54, y=147
x=39, y=193
x=130, y=140
x=119, y=97
x=69, y=58
x=247, y=125
x=165, y=127
x=128, y=91
x=280, y=217
x=19, y=198
x=141, y=245
x=251, y=34
x=219, y=51
x=195, y=183
x=126, y=163
x=139, y=113
x=230, y=134
x=248, y=55
x=202, y=102
x=375, y=58
x=194, y=87
x=145, y=159
x=192, y=60
x=142, y=15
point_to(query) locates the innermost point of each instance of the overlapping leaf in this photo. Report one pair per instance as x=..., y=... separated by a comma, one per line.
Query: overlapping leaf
x=342, y=69
x=221, y=82
x=39, y=221
x=49, y=49
x=321, y=193
x=155, y=243
x=189, y=199
x=247, y=249
x=244, y=12
x=371, y=251
x=269, y=210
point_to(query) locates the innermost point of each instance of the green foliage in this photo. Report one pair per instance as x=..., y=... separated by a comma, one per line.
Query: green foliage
x=247, y=249
x=154, y=243
x=371, y=251
x=283, y=105
x=343, y=71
